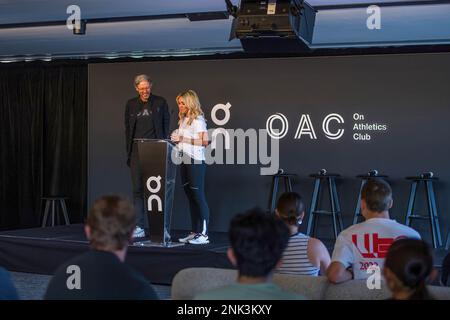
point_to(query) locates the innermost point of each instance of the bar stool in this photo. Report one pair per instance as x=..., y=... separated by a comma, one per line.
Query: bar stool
x=53, y=202
x=364, y=178
x=274, y=189
x=335, y=212
x=432, y=216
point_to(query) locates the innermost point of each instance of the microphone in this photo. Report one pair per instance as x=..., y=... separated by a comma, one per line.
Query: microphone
x=373, y=173
x=323, y=172
x=427, y=175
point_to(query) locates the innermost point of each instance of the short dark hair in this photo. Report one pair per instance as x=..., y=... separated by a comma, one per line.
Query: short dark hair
x=112, y=220
x=377, y=194
x=258, y=241
x=411, y=261
x=290, y=206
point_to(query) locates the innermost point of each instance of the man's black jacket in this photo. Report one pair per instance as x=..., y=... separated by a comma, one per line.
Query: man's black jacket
x=161, y=119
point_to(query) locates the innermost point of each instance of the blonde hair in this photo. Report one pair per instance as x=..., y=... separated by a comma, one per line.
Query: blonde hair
x=192, y=102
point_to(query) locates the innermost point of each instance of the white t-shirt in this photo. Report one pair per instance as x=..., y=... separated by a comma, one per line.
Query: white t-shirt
x=192, y=131
x=365, y=244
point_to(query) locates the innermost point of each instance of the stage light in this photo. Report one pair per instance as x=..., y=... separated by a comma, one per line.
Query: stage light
x=273, y=25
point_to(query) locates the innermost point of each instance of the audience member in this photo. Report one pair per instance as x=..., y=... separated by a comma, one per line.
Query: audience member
x=445, y=271
x=101, y=272
x=257, y=244
x=7, y=289
x=303, y=255
x=365, y=244
x=408, y=266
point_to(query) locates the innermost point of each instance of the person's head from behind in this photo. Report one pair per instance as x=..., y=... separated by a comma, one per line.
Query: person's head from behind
x=110, y=223
x=408, y=266
x=257, y=243
x=291, y=209
x=376, y=198
x=189, y=105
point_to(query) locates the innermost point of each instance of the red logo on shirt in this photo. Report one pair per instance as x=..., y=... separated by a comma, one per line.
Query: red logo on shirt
x=373, y=247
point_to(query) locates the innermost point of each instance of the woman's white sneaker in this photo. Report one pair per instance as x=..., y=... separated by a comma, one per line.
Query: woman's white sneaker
x=138, y=233
x=199, y=239
x=189, y=237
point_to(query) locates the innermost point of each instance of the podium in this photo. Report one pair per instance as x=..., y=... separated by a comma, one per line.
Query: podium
x=158, y=173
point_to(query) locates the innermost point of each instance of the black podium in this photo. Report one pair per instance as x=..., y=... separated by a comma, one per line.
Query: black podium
x=158, y=180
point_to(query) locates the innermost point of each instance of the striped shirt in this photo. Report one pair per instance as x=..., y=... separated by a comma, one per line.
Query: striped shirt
x=295, y=257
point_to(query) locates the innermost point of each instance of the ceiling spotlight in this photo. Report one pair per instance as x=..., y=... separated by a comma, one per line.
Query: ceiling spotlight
x=81, y=29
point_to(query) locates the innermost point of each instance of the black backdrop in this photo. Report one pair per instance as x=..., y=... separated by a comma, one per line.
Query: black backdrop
x=407, y=93
x=43, y=112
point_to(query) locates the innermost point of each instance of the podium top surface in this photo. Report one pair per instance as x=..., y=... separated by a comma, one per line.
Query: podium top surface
x=165, y=141
x=152, y=140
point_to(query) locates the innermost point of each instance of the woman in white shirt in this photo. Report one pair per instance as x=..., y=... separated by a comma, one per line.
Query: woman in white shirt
x=303, y=255
x=192, y=138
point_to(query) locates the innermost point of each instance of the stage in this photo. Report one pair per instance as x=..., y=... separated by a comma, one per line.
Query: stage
x=42, y=250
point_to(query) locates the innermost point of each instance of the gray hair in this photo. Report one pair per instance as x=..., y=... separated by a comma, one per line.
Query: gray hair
x=142, y=77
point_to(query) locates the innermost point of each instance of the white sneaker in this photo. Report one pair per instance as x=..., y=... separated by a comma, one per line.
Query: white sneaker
x=199, y=239
x=138, y=232
x=189, y=237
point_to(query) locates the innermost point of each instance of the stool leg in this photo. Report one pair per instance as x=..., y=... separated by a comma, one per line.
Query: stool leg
x=269, y=204
x=273, y=194
x=64, y=209
x=312, y=208
x=47, y=207
x=286, y=184
x=435, y=214
x=53, y=213
x=289, y=184
x=57, y=212
x=317, y=215
x=431, y=214
x=338, y=205
x=412, y=197
x=333, y=207
x=447, y=244
x=358, y=203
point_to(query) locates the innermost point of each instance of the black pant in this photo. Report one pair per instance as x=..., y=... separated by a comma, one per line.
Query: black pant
x=138, y=194
x=193, y=181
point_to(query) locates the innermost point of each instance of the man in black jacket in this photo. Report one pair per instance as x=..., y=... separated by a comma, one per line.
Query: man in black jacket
x=146, y=117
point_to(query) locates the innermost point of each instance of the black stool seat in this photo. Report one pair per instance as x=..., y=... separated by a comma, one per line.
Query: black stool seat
x=283, y=175
x=370, y=176
x=422, y=178
x=364, y=178
x=324, y=175
x=274, y=188
x=315, y=212
x=431, y=215
x=53, y=201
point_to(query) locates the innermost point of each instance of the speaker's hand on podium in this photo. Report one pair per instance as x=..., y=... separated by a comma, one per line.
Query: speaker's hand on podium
x=175, y=137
